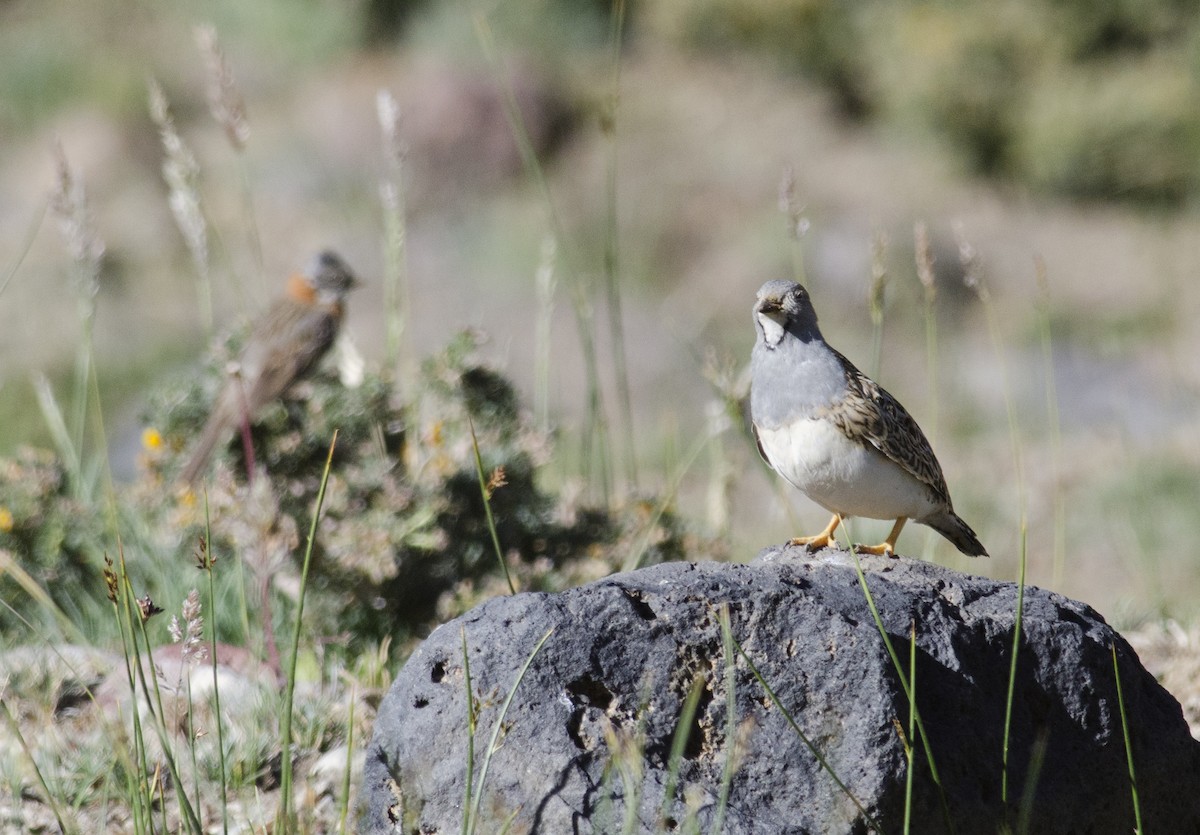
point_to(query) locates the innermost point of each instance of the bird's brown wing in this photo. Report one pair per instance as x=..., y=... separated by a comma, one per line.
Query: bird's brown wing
x=293, y=339
x=868, y=413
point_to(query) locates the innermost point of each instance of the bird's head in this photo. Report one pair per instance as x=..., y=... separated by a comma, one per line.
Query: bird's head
x=784, y=307
x=331, y=279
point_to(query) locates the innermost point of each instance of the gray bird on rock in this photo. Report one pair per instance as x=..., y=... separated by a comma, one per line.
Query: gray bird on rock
x=834, y=434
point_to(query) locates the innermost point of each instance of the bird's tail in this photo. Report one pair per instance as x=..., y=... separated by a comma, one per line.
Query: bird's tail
x=958, y=532
x=212, y=433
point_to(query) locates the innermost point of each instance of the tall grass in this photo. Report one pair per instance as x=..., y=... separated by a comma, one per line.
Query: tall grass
x=69, y=207
x=732, y=752
x=181, y=171
x=205, y=561
x=285, y=818
x=228, y=109
x=1052, y=413
x=923, y=256
x=875, y=298
x=471, y=820
x=803, y=737
x=596, y=444
x=679, y=741
x=49, y=797
x=796, y=228
x=1012, y=670
x=612, y=264
x=395, y=234
x=906, y=683
x=487, y=485
x=973, y=278
x=1133, y=788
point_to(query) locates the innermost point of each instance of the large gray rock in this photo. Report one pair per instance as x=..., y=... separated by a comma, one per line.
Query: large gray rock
x=623, y=654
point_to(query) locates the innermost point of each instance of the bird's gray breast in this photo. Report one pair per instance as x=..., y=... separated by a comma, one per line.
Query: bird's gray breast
x=792, y=380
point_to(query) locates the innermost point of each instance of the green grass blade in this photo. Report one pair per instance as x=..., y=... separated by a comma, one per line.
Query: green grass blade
x=497, y=727
x=15, y=730
x=1037, y=758
x=595, y=431
x=905, y=683
x=284, y=819
x=679, y=741
x=1055, y=421
x=469, y=783
x=804, y=738
x=206, y=563
x=909, y=751
x=56, y=424
x=731, y=753
x=1012, y=670
x=487, y=507
x=1137, y=806
x=344, y=803
x=611, y=250
x=639, y=553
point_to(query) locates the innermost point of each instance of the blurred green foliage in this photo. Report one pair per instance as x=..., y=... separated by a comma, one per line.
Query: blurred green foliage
x=403, y=540
x=1085, y=99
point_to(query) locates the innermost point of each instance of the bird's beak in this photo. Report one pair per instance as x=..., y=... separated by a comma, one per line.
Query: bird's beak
x=772, y=309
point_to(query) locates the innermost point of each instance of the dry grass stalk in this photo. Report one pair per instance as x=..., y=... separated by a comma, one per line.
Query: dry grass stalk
x=924, y=258
x=68, y=205
x=225, y=100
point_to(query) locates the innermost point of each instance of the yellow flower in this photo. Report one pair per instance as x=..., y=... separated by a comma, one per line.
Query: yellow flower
x=152, y=439
x=6, y=519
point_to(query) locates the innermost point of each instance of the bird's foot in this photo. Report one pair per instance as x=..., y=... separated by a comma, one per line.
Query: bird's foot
x=883, y=549
x=814, y=543
x=822, y=540
x=887, y=548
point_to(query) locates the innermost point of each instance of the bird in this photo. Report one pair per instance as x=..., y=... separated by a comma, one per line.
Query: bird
x=284, y=346
x=836, y=435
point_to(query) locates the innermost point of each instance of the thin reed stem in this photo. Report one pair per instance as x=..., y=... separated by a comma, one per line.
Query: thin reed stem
x=344, y=803
x=1137, y=806
x=875, y=298
x=27, y=244
x=1052, y=413
x=497, y=727
x=1012, y=669
x=285, y=818
x=639, y=553
x=486, y=494
x=909, y=751
x=973, y=278
x=207, y=561
x=545, y=285
x=15, y=729
x=395, y=229
x=923, y=254
x=679, y=741
x=472, y=719
x=612, y=270
x=906, y=684
x=731, y=752
x=1037, y=759
x=596, y=448
x=820, y=758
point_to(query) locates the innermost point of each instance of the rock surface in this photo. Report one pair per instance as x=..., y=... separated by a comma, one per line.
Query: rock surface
x=587, y=739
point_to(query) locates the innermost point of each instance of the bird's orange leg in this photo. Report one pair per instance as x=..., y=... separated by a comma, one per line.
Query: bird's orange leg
x=888, y=546
x=821, y=540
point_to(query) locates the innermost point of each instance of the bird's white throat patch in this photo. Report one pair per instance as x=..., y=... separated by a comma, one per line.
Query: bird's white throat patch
x=772, y=329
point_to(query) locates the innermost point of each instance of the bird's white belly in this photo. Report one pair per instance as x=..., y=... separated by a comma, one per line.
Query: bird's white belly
x=841, y=475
